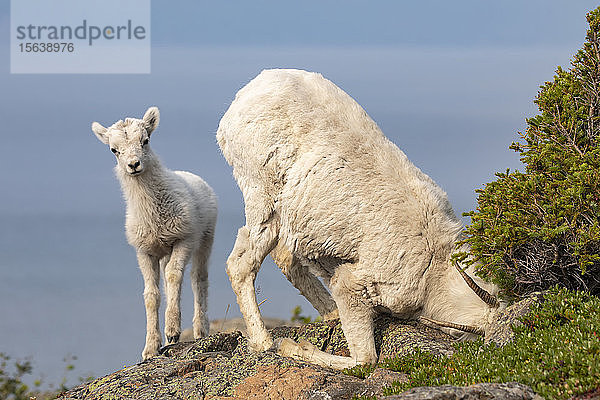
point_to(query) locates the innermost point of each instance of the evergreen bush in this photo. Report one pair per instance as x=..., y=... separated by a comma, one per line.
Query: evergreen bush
x=538, y=228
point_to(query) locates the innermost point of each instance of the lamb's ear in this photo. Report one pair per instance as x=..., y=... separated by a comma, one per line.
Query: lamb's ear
x=151, y=119
x=100, y=132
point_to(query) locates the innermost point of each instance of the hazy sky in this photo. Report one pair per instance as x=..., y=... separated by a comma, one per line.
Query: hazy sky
x=450, y=82
x=369, y=23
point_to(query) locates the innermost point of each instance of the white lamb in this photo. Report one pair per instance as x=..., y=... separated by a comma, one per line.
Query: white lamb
x=322, y=182
x=171, y=218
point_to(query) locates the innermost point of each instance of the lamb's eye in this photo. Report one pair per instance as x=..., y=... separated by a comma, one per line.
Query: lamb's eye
x=145, y=142
x=114, y=150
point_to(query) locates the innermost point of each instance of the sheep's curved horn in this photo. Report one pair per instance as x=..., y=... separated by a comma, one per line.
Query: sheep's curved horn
x=464, y=328
x=482, y=293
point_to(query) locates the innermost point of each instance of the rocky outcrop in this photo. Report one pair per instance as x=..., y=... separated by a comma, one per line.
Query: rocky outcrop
x=221, y=366
x=501, y=332
x=480, y=391
x=235, y=324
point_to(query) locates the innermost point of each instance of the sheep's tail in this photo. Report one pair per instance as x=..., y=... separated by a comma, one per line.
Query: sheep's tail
x=482, y=293
x=460, y=327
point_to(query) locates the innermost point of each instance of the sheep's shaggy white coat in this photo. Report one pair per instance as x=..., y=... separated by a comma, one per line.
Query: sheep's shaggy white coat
x=320, y=180
x=171, y=218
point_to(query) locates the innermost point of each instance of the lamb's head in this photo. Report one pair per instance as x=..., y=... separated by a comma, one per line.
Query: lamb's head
x=129, y=139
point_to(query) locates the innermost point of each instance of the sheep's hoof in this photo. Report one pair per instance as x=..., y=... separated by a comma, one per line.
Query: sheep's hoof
x=260, y=347
x=286, y=347
x=331, y=315
x=303, y=350
x=173, y=339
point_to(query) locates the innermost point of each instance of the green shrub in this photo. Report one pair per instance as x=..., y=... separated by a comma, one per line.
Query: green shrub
x=13, y=387
x=538, y=228
x=555, y=352
x=360, y=371
x=11, y=384
x=298, y=317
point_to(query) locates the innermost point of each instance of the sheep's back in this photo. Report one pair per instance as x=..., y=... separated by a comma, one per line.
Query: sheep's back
x=295, y=138
x=279, y=116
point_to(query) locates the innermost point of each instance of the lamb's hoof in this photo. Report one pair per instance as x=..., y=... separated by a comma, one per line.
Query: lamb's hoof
x=200, y=330
x=200, y=335
x=153, y=343
x=173, y=339
x=148, y=354
x=165, y=349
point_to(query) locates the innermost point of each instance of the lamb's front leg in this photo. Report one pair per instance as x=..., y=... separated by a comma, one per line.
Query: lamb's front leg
x=173, y=277
x=151, y=272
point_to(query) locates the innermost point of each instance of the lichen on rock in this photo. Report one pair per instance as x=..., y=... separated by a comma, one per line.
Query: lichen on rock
x=221, y=365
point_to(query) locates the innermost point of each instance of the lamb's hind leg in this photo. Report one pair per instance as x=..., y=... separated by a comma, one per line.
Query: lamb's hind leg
x=356, y=316
x=151, y=272
x=250, y=249
x=308, y=284
x=180, y=255
x=199, y=273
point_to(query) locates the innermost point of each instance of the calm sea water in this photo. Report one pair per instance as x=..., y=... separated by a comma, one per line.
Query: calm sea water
x=70, y=286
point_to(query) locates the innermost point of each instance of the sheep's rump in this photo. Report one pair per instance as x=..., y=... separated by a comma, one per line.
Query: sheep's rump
x=303, y=149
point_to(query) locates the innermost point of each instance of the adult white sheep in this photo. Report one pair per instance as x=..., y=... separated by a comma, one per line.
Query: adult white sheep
x=171, y=218
x=321, y=180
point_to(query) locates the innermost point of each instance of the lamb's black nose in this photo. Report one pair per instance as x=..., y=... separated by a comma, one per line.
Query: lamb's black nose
x=134, y=165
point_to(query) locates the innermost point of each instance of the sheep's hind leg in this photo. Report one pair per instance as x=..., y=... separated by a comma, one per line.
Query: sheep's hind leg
x=308, y=284
x=249, y=251
x=356, y=316
x=199, y=273
x=151, y=272
x=173, y=277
